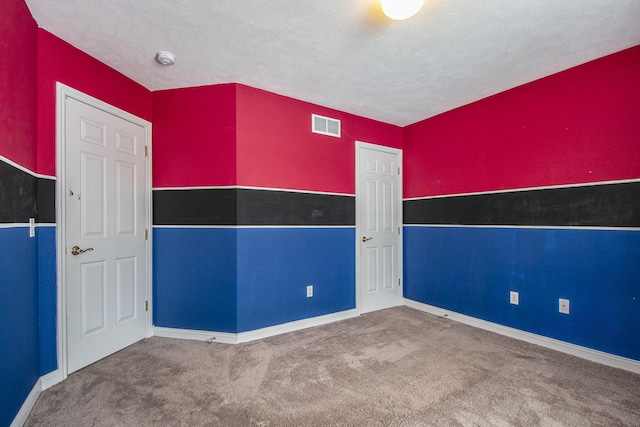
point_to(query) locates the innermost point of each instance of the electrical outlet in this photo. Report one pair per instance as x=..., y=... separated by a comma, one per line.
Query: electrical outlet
x=563, y=306
x=309, y=291
x=514, y=297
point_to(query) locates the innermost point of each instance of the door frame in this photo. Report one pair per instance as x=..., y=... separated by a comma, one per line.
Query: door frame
x=359, y=207
x=63, y=92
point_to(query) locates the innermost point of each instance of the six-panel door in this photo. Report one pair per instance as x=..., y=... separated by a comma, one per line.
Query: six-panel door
x=105, y=219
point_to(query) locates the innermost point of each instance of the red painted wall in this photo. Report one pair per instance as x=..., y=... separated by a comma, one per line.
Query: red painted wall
x=59, y=61
x=578, y=126
x=276, y=148
x=18, y=95
x=194, y=136
x=237, y=135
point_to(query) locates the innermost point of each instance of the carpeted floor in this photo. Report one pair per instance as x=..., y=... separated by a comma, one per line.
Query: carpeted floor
x=396, y=367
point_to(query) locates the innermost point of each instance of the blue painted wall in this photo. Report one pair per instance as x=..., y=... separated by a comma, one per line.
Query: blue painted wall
x=275, y=265
x=19, y=327
x=47, y=298
x=471, y=271
x=194, y=278
x=236, y=280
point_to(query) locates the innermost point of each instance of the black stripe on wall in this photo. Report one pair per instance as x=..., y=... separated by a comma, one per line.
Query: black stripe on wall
x=251, y=207
x=604, y=205
x=18, y=199
x=268, y=207
x=46, y=191
x=195, y=207
x=24, y=196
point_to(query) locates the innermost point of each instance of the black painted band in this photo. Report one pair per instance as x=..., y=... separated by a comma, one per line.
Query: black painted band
x=24, y=196
x=269, y=207
x=46, y=200
x=251, y=207
x=603, y=205
x=195, y=207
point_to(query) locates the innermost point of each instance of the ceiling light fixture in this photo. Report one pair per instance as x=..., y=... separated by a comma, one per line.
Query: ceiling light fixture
x=401, y=9
x=165, y=58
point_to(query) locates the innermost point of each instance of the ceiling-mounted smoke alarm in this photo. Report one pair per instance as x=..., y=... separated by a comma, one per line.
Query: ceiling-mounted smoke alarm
x=165, y=58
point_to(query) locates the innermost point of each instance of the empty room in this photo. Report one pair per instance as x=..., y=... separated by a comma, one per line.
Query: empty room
x=317, y=213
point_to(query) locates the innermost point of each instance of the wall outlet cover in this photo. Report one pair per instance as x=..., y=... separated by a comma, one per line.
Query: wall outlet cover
x=309, y=291
x=514, y=297
x=563, y=306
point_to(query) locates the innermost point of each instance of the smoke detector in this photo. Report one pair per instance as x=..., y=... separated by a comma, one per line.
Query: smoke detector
x=165, y=58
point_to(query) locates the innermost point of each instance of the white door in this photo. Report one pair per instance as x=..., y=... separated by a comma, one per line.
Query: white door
x=378, y=227
x=105, y=218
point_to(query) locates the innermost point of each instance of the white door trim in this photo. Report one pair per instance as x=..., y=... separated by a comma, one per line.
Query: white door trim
x=63, y=92
x=383, y=149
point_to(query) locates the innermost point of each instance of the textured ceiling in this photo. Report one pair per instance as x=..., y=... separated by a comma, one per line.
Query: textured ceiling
x=343, y=53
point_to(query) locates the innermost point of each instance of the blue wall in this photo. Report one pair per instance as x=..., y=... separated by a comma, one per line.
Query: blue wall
x=471, y=270
x=240, y=279
x=275, y=265
x=194, y=278
x=47, y=297
x=19, y=327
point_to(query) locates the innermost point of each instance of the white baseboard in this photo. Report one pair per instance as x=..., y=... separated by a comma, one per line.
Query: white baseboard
x=191, y=334
x=295, y=326
x=230, y=338
x=51, y=379
x=28, y=405
x=562, y=346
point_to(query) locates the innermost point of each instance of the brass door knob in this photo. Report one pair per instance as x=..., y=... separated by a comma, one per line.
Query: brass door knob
x=77, y=251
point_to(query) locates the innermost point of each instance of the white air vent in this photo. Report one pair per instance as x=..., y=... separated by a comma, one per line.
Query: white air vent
x=325, y=125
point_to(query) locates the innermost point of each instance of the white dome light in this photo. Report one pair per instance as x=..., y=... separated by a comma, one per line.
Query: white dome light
x=165, y=58
x=401, y=9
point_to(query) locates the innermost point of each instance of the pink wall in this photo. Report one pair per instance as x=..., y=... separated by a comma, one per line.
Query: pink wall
x=276, y=148
x=18, y=95
x=237, y=135
x=578, y=126
x=59, y=61
x=194, y=136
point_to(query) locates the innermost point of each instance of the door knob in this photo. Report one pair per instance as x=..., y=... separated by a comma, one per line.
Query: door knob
x=366, y=239
x=77, y=251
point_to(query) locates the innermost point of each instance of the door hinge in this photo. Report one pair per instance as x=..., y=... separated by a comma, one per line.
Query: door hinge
x=398, y=231
x=146, y=151
x=398, y=281
x=146, y=234
x=398, y=170
x=146, y=305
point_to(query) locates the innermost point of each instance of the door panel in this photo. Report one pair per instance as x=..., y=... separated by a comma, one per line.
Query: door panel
x=371, y=269
x=378, y=222
x=126, y=288
x=94, y=301
x=92, y=188
x=388, y=267
x=106, y=215
x=125, y=199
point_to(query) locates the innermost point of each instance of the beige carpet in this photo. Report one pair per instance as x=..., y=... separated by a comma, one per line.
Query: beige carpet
x=397, y=367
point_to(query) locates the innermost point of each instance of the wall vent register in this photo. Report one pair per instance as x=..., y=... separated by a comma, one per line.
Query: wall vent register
x=325, y=125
